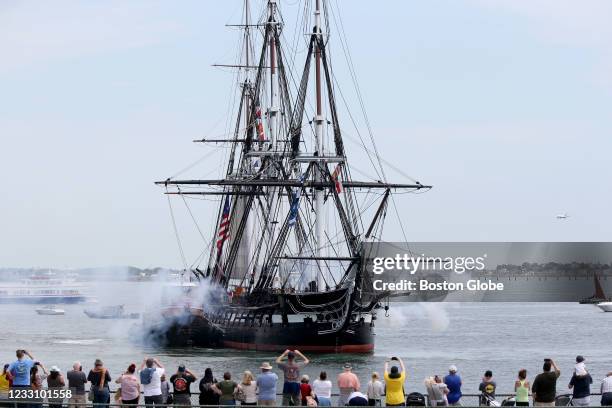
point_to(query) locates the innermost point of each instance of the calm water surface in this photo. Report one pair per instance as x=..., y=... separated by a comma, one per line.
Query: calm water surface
x=503, y=337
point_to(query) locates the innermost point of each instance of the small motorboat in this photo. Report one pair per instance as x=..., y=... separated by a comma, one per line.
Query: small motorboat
x=50, y=311
x=110, y=312
x=605, y=306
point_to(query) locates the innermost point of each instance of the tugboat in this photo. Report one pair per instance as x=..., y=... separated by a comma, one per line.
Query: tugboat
x=50, y=310
x=285, y=267
x=110, y=312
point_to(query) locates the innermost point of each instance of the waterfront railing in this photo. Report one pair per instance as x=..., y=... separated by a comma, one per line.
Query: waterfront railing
x=467, y=401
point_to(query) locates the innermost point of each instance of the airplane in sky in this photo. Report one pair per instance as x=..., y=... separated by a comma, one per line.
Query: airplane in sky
x=563, y=216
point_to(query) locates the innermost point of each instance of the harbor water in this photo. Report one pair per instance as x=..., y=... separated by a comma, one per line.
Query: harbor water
x=502, y=337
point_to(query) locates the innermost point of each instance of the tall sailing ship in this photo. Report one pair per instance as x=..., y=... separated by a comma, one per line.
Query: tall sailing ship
x=285, y=266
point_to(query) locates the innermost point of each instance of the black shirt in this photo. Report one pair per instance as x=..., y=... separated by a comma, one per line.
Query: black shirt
x=207, y=395
x=582, y=385
x=545, y=386
x=94, y=378
x=182, y=384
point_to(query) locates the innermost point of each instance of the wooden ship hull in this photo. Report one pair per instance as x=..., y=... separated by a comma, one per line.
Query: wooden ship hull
x=294, y=321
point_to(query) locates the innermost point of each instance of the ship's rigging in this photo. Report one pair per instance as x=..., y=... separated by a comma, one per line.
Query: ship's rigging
x=289, y=219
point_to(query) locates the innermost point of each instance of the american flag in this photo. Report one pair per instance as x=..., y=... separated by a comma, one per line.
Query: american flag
x=225, y=224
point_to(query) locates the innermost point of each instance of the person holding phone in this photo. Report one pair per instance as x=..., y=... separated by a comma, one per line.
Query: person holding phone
x=394, y=382
x=544, y=387
x=20, y=369
x=76, y=383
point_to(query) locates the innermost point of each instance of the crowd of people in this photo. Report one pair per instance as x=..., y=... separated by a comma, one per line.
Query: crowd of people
x=160, y=388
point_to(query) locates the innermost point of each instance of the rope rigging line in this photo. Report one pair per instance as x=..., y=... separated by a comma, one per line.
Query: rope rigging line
x=206, y=242
x=195, y=163
x=178, y=238
x=347, y=54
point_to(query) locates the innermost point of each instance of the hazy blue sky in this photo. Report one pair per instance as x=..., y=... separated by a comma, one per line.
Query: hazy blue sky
x=504, y=106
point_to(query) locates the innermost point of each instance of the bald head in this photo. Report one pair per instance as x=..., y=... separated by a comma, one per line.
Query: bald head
x=76, y=366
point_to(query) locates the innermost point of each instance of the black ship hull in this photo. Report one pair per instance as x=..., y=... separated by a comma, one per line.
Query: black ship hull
x=359, y=339
x=194, y=329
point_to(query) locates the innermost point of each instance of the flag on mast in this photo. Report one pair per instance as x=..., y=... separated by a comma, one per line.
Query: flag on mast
x=336, y=178
x=224, y=224
x=295, y=203
x=259, y=124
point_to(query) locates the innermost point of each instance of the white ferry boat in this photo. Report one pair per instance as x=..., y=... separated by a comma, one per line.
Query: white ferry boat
x=43, y=289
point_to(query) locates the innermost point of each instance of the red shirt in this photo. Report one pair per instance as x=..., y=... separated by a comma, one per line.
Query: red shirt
x=306, y=390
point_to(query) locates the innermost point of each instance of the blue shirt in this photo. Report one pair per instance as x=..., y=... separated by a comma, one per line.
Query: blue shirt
x=20, y=370
x=453, y=382
x=266, y=382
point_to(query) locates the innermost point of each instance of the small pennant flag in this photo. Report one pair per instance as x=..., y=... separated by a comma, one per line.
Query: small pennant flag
x=336, y=178
x=259, y=124
x=295, y=203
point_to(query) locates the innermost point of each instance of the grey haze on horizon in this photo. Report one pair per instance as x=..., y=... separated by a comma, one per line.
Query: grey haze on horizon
x=504, y=107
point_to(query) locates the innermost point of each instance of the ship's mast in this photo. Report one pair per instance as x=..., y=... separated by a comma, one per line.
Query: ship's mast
x=269, y=221
x=250, y=225
x=318, y=122
x=273, y=109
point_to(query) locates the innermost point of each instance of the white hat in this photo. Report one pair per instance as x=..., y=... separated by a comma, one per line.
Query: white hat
x=55, y=369
x=452, y=368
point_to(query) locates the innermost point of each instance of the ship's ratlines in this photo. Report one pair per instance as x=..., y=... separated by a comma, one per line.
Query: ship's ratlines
x=283, y=267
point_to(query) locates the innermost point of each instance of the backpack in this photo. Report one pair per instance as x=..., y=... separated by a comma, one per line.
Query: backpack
x=239, y=394
x=146, y=375
x=415, y=399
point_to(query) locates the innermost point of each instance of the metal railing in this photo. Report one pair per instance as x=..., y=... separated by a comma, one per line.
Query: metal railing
x=26, y=404
x=467, y=400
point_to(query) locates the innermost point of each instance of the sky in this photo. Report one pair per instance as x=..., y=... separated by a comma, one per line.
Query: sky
x=504, y=107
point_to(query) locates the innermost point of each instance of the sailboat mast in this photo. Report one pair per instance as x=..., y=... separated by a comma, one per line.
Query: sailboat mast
x=318, y=122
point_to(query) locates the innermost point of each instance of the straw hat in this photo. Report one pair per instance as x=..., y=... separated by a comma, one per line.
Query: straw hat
x=266, y=366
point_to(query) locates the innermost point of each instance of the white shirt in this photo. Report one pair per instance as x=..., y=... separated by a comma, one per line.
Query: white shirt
x=439, y=390
x=322, y=388
x=154, y=387
x=375, y=389
x=606, y=384
x=356, y=394
x=250, y=392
